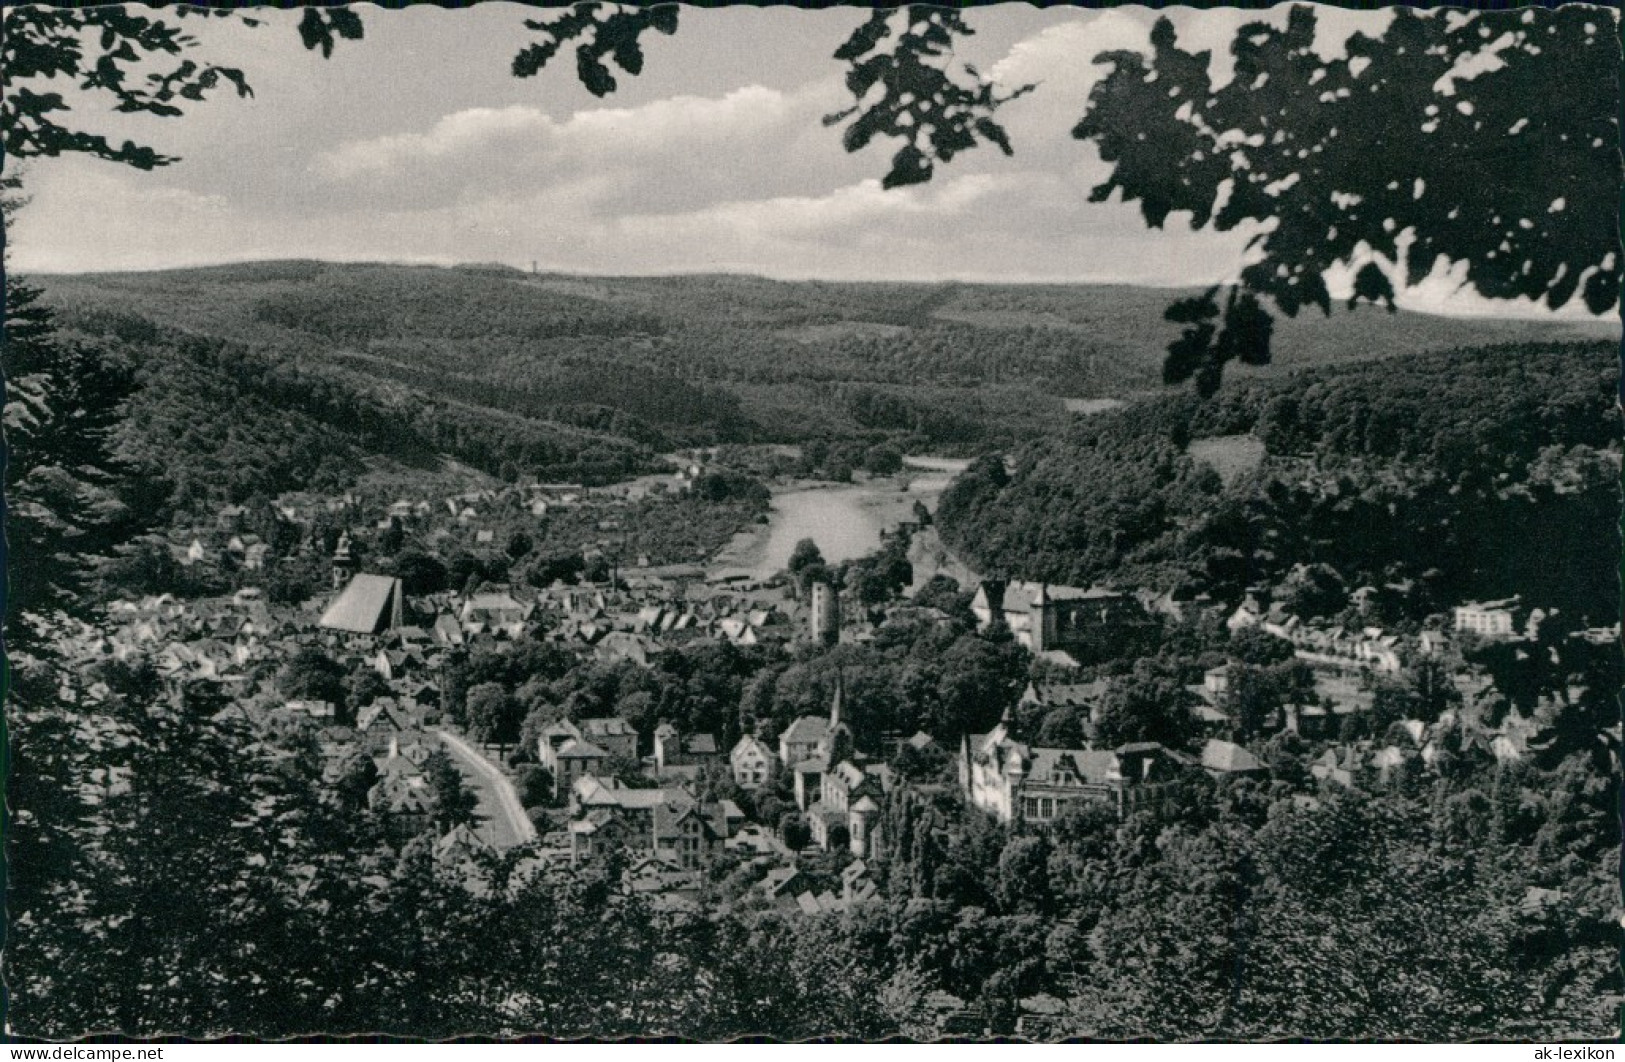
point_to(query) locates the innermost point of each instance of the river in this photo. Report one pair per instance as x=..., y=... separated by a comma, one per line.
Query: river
x=845, y=520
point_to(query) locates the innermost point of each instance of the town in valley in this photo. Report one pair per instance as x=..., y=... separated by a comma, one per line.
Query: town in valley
x=715, y=523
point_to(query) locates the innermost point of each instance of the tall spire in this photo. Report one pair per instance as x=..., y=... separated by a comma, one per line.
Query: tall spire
x=840, y=695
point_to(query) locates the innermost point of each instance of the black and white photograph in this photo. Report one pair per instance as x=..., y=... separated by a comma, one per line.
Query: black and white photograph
x=1002, y=523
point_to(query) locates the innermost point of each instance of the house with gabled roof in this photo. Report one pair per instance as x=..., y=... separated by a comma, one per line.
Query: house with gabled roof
x=447, y=631
x=1490, y=619
x=688, y=834
x=667, y=822
x=802, y=738
x=493, y=610
x=611, y=733
x=674, y=749
x=833, y=744
x=1084, y=695
x=369, y=604
x=1225, y=759
x=750, y=762
x=611, y=645
x=572, y=759
x=405, y=798
x=461, y=849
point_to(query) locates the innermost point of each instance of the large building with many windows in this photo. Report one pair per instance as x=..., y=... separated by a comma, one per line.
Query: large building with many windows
x=1048, y=618
x=1489, y=619
x=1015, y=781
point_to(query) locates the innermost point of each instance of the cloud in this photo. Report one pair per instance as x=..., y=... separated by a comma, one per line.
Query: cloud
x=82, y=211
x=685, y=151
x=479, y=129
x=1061, y=59
x=1010, y=220
x=717, y=176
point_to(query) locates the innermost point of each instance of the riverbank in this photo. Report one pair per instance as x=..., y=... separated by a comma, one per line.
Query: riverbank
x=844, y=519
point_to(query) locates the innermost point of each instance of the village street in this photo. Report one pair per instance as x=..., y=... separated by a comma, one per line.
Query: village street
x=504, y=823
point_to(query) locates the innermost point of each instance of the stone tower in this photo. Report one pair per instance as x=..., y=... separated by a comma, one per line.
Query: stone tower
x=826, y=613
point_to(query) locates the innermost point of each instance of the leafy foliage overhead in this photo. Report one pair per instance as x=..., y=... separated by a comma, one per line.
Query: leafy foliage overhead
x=135, y=59
x=936, y=115
x=322, y=28
x=611, y=32
x=1461, y=105
x=904, y=53
x=1203, y=347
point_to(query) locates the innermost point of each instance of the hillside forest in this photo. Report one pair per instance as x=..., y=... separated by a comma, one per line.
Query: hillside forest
x=265, y=377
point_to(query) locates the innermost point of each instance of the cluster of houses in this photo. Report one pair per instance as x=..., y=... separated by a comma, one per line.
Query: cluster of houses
x=840, y=791
x=1456, y=733
x=472, y=520
x=235, y=644
x=644, y=615
x=233, y=647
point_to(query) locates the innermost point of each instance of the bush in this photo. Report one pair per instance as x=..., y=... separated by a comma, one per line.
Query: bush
x=793, y=828
x=535, y=785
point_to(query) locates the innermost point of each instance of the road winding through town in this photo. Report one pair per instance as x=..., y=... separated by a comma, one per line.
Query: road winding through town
x=507, y=823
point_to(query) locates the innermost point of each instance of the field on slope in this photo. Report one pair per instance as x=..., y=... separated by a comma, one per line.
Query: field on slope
x=591, y=376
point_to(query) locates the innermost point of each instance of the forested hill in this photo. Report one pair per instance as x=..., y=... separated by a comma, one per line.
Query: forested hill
x=1471, y=473
x=640, y=364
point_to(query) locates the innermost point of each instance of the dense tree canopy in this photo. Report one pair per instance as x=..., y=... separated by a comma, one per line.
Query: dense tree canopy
x=1477, y=473
x=1495, y=168
x=70, y=496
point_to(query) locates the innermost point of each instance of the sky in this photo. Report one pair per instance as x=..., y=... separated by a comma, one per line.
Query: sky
x=417, y=145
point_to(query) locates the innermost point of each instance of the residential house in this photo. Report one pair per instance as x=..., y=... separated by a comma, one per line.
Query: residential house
x=613, y=734
x=624, y=645
x=667, y=823
x=493, y=611
x=751, y=762
x=447, y=631
x=194, y=553
x=1225, y=759
x=675, y=749
x=810, y=746
x=569, y=757
x=851, y=794
x=688, y=834
x=405, y=797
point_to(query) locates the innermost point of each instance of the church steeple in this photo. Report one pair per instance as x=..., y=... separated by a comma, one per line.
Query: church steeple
x=1007, y=723
x=836, y=702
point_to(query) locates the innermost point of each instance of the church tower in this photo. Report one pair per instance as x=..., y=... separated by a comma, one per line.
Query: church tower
x=343, y=562
x=1042, y=628
x=838, y=739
